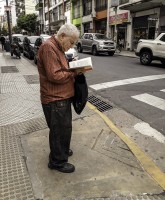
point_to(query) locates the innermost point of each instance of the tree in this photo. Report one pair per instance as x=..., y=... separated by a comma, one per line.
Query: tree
x=16, y=29
x=28, y=22
x=4, y=31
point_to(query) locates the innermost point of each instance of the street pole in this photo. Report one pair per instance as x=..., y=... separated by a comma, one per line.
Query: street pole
x=8, y=21
x=115, y=24
x=63, y=10
x=49, y=17
x=108, y=9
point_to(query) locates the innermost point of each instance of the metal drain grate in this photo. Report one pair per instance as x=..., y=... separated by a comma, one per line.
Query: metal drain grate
x=9, y=69
x=32, y=79
x=100, y=105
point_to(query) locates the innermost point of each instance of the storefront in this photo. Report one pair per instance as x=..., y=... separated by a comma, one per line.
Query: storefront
x=121, y=21
x=162, y=20
x=144, y=27
x=100, y=26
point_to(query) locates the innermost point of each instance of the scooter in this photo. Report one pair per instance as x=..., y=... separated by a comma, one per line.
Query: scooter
x=15, y=50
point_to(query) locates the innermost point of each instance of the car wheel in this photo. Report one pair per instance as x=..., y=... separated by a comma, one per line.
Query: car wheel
x=35, y=60
x=94, y=51
x=79, y=48
x=146, y=58
x=163, y=62
x=110, y=53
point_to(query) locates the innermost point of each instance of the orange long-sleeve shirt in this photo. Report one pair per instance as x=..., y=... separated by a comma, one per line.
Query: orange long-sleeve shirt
x=56, y=82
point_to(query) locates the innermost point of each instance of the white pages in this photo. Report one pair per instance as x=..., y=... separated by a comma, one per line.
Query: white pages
x=85, y=64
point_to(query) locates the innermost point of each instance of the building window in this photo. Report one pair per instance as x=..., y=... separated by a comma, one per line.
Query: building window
x=55, y=14
x=46, y=3
x=76, y=8
x=67, y=6
x=87, y=7
x=61, y=12
x=47, y=16
x=101, y=5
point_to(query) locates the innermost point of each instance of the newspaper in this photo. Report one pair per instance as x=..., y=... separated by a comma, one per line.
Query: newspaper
x=84, y=64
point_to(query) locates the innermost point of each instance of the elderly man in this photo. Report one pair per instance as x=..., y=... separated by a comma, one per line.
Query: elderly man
x=57, y=90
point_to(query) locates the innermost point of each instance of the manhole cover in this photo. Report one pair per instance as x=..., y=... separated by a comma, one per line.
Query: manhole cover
x=99, y=104
x=9, y=69
x=32, y=79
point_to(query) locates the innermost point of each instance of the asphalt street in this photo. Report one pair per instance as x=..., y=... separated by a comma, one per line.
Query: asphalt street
x=108, y=69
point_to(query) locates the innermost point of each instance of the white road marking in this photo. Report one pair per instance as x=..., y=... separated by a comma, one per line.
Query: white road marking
x=126, y=81
x=151, y=100
x=163, y=90
x=146, y=129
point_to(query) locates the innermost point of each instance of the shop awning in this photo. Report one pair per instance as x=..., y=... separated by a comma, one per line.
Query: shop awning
x=142, y=5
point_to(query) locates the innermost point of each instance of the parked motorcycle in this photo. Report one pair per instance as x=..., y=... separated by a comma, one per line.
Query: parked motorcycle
x=15, y=48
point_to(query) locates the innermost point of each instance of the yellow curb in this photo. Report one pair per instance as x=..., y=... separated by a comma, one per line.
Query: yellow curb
x=148, y=165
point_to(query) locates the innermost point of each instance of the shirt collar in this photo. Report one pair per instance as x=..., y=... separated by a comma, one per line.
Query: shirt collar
x=57, y=43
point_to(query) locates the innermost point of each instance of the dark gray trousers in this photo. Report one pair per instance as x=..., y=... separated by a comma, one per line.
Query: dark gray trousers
x=58, y=116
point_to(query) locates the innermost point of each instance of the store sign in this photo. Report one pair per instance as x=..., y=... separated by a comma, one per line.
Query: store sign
x=114, y=3
x=118, y=19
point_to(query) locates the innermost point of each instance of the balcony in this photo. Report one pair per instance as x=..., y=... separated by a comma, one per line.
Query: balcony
x=141, y=5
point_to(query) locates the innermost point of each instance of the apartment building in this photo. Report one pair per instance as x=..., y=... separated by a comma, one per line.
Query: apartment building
x=89, y=15
x=1, y=13
x=56, y=13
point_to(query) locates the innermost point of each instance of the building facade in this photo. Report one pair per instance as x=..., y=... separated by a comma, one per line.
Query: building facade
x=146, y=20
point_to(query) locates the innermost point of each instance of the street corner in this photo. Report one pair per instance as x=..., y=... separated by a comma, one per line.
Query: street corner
x=104, y=164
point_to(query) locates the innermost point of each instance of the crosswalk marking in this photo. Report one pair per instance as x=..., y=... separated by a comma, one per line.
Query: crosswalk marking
x=126, y=81
x=151, y=100
x=146, y=129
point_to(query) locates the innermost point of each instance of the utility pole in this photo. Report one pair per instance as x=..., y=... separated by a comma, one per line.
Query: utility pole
x=108, y=10
x=8, y=21
x=63, y=11
x=49, y=16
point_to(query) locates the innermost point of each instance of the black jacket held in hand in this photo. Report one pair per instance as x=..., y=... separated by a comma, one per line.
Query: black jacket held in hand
x=81, y=93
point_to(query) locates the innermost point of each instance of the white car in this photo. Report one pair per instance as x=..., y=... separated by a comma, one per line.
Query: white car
x=71, y=54
x=149, y=50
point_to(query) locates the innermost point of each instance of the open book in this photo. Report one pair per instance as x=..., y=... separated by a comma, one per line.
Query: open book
x=84, y=64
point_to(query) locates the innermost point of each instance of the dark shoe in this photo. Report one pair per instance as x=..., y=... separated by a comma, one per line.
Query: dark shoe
x=70, y=152
x=65, y=167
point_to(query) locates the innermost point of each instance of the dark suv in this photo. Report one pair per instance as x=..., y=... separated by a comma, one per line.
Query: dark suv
x=96, y=43
x=37, y=44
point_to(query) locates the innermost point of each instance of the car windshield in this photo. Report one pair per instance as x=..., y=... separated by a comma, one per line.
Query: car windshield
x=100, y=37
x=32, y=39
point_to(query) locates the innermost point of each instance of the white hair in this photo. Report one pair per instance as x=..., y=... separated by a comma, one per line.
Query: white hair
x=69, y=30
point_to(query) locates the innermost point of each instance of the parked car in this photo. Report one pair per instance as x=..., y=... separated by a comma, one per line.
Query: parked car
x=96, y=43
x=42, y=38
x=71, y=54
x=28, y=46
x=149, y=50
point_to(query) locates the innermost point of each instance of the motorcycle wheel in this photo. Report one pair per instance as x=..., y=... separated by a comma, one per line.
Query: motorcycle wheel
x=11, y=53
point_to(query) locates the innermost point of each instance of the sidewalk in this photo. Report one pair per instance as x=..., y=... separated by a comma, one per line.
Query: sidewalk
x=127, y=54
x=106, y=168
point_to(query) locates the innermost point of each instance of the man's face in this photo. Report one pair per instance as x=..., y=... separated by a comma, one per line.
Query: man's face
x=67, y=42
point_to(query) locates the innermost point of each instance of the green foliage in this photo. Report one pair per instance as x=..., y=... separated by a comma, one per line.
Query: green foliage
x=16, y=29
x=3, y=31
x=28, y=22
